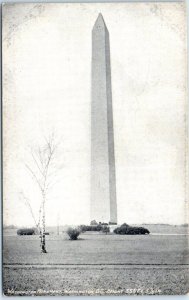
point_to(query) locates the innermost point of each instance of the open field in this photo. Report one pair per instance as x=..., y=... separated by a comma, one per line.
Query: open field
x=98, y=249
x=109, y=264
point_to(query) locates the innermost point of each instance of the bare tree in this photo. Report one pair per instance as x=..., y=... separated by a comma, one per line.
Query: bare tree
x=42, y=171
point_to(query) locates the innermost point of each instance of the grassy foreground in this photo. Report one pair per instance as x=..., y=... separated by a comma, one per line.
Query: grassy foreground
x=96, y=264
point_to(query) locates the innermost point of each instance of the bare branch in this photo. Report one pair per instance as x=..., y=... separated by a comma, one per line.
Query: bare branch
x=34, y=159
x=35, y=177
x=27, y=201
x=51, y=184
x=40, y=157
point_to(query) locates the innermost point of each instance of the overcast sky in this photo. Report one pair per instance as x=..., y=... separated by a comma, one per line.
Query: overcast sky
x=46, y=86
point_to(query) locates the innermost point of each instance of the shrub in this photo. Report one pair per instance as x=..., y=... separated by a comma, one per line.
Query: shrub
x=126, y=229
x=105, y=229
x=73, y=233
x=26, y=231
x=84, y=228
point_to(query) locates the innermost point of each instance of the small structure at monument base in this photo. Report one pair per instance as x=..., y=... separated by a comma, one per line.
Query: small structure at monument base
x=94, y=222
x=112, y=223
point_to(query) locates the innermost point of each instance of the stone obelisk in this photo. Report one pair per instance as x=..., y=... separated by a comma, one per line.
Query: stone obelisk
x=103, y=180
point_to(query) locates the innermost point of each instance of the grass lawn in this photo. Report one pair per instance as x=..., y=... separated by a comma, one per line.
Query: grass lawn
x=97, y=263
x=98, y=249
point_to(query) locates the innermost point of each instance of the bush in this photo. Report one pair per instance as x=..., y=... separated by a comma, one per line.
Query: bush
x=26, y=231
x=73, y=233
x=100, y=227
x=84, y=228
x=106, y=229
x=126, y=229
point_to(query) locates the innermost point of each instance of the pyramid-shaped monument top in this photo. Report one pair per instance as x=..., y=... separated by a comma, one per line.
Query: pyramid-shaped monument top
x=100, y=24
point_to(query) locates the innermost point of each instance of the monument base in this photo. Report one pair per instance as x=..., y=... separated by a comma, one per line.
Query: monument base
x=112, y=227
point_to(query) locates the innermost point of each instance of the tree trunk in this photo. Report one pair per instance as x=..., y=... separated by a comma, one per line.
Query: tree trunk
x=43, y=243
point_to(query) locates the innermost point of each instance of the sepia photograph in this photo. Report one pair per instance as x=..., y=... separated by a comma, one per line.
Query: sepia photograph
x=95, y=149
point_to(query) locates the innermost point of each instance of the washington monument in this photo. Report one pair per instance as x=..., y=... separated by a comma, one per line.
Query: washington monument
x=103, y=180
